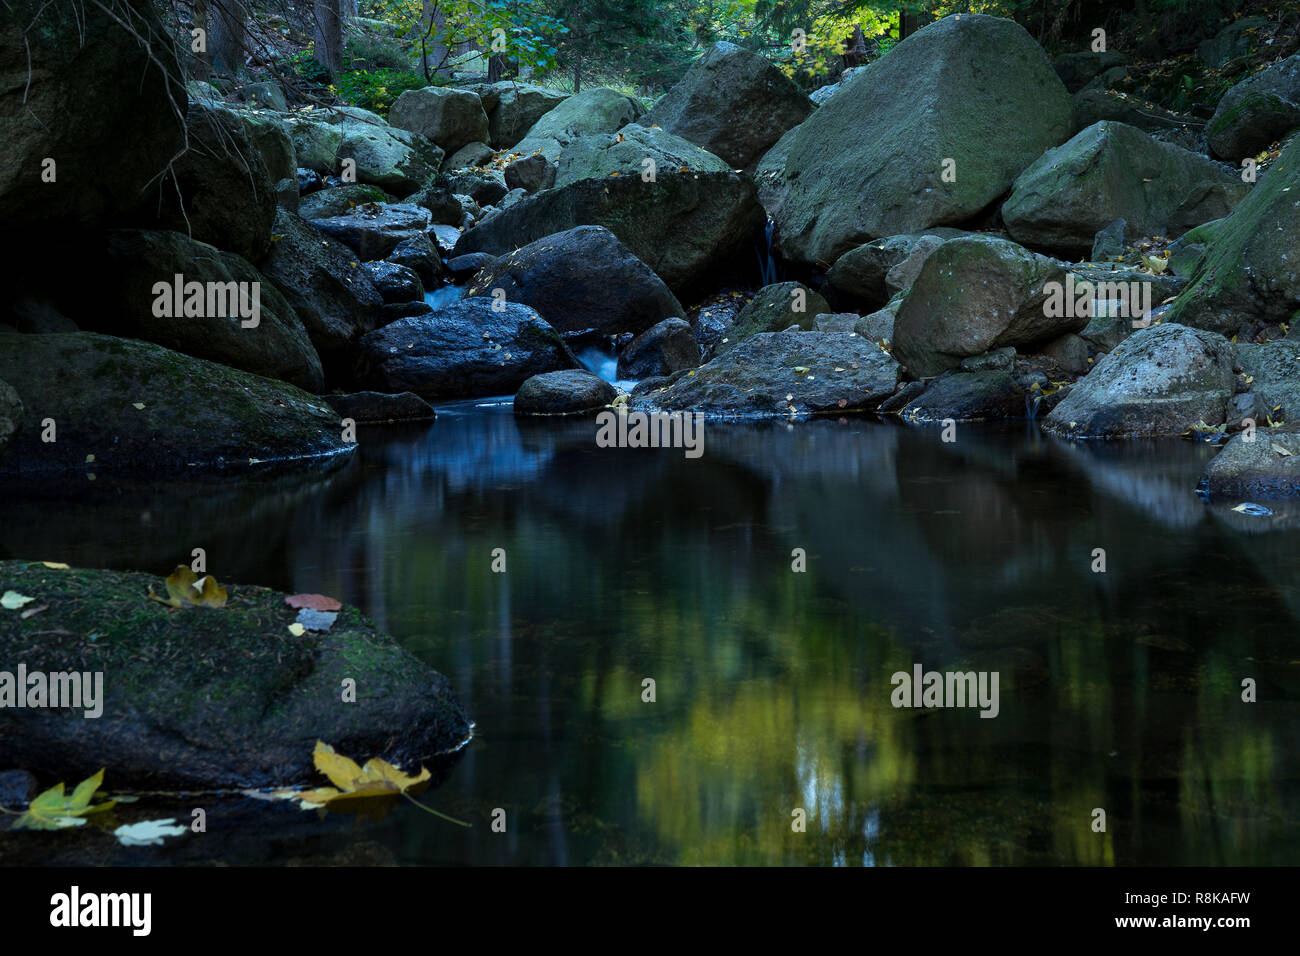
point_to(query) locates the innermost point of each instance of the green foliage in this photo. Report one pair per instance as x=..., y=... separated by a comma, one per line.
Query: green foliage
x=376, y=90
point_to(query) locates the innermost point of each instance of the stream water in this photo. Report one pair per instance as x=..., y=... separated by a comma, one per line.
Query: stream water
x=1118, y=690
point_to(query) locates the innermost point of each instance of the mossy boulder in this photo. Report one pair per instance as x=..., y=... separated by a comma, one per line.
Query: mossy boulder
x=125, y=408
x=277, y=346
x=775, y=308
x=73, y=74
x=974, y=294
x=1250, y=271
x=204, y=697
x=223, y=193
x=1258, y=110
x=600, y=110
x=733, y=102
x=1114, y=171
x=597, y=155
x=873, y=160
x=393, y=159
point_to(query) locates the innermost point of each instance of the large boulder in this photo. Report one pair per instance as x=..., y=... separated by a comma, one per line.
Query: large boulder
x=974, y=294
x=579, y=280
x=374, y=230
x=568, y=392
x=315, y=141
x=214, y=324
x=1257, y=111
x=686, y=227
x=513, y=109
x=447, y=118
x=267, y=133
x=732, y=102
x=783, y=375
x=72, y=73
x=132, y=409
x=870, y=162
x=393, y=159
x=666, y=347
x=597, y=155
x=326, y=286
x=600, y=110
x=223, y=193
x=1114, y=171
x=1249, y=270
x=775, y=308
x=1162, y=380
x=466, y=350
x=212, y=697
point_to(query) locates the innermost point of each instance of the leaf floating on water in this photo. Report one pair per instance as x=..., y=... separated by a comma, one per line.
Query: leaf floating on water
x=370, y=791
x=314, y=620
x=317, y=602
x=56, y=810
x=147, y=833
x=1250, y=508
x=12, y=600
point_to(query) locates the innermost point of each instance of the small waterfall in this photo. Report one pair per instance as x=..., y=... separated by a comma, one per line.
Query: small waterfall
x=767, y=264
x=441, y=298
x=605, y=364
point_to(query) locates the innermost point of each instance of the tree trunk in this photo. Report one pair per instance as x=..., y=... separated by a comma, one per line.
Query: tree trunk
x=328, y=35
x=228, y=37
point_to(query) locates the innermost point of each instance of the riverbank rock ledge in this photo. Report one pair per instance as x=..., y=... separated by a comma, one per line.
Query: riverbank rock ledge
x=205, y=697
x=128, y=408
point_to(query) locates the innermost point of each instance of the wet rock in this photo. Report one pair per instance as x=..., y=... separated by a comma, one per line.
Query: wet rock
x=580, y=279
x=567, y=392
x=395, y=283
x=979, y=395
x=374, y=231
x=688, y=229
x=125, y=408
x=783, y=375
x=230, y=698
x=378, y=408
x=1267, y=467
x=666, y=347
x=466, y=350
x=419, y=255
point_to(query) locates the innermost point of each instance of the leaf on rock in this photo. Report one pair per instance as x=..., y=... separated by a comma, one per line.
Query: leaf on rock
x=317, y=602
x=369, y=791
x=56, y=810
x=316, y=620
x=12, y=600
x=148, y=832
x=184, y=588
x=297, y=630
x=55, y=565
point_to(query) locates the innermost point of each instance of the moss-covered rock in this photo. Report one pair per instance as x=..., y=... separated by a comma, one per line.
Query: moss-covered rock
x=1251, y=267
x=1258, y=110
x=774, y=308
x=873, y=160
x=600, y=110
x=1114, y=171
x=203, y=697
x=597, y=155
x=124, y=408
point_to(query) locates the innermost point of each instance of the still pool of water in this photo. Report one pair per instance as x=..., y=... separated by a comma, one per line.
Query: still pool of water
x=1118, y=690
